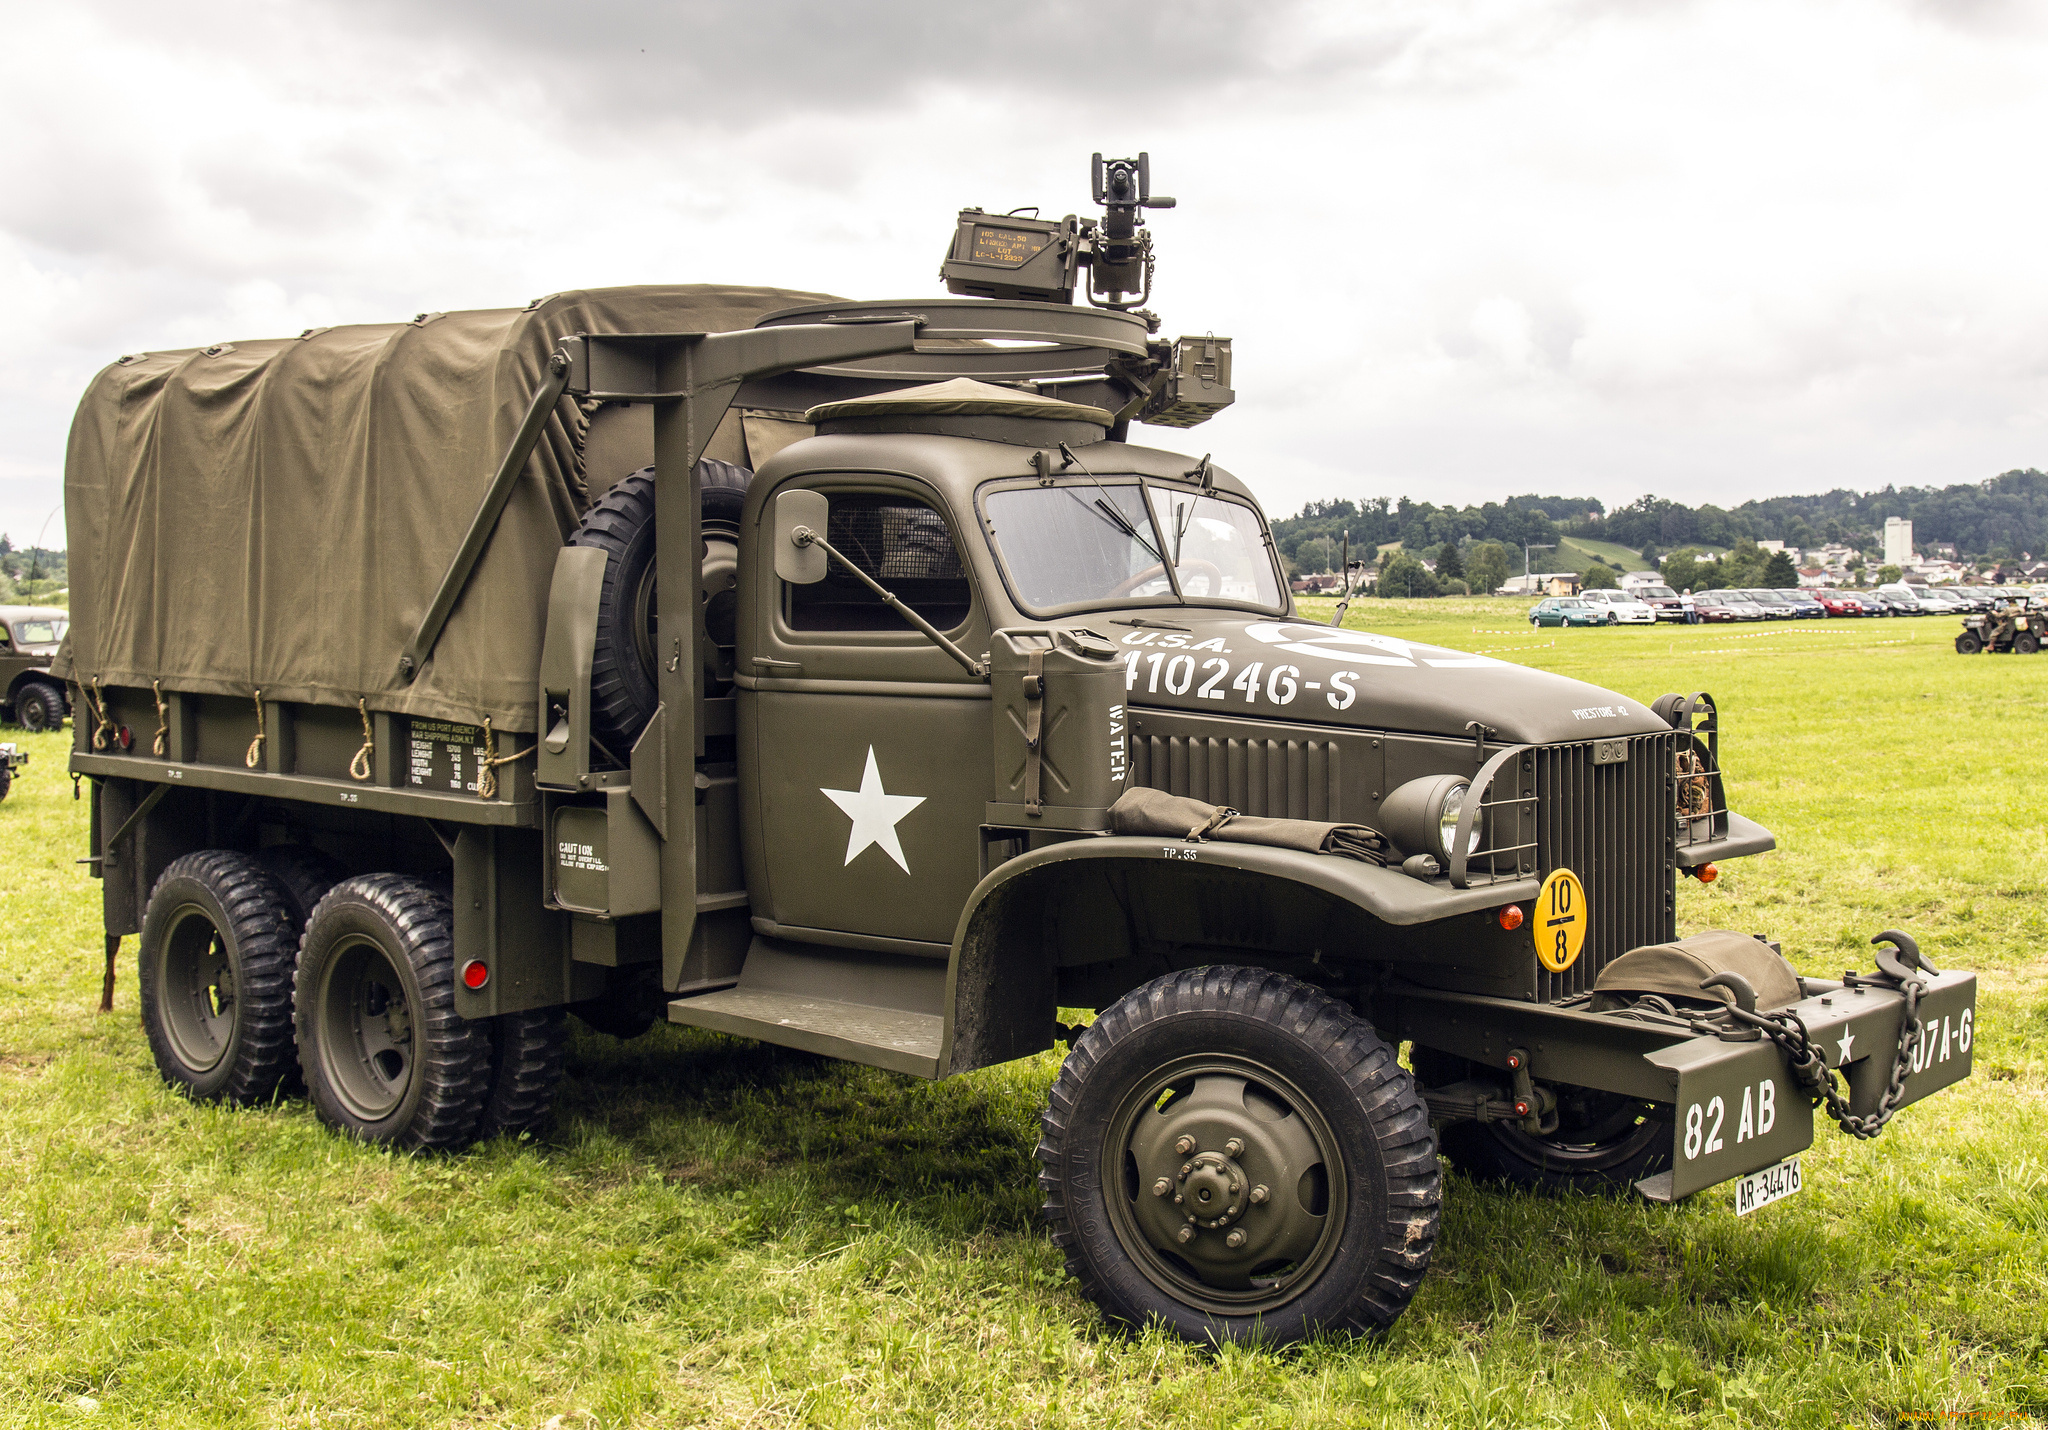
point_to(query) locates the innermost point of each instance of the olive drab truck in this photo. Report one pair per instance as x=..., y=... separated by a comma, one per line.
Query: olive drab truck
x=844, y=675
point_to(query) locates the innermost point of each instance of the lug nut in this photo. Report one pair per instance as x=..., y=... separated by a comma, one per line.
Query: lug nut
x=1187, y=1234
x=1178, y=1199
x=1259, y=1194
x=1234, y=1147
x=1184, y=1144
x=1161, y=1187
x=1234, y=1240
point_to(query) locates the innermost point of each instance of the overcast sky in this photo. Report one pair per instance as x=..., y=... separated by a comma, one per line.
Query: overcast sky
x=1708, y=250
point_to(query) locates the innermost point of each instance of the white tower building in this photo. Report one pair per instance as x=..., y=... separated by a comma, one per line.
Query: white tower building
x=1898, y=542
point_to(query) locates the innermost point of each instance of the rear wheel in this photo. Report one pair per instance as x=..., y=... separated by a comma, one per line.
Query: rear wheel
x=39, y=707
x=526, y=1067
x=305, y=875
x=1604, y=1142
x=216, y=978
x=385, y=1055
x=2026, y=644
x=1239, y=1156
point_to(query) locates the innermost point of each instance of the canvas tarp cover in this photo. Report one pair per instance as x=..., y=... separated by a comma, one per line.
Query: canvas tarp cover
x=277, y=515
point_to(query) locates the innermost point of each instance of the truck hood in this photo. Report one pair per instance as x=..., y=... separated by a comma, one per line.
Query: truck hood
x=1223, y=663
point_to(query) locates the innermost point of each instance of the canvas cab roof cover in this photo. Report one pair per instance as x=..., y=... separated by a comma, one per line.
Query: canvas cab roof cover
x=276, y=515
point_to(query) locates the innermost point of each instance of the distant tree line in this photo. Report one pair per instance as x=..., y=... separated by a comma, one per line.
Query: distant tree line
x=1996, y=520
x=1478, y=547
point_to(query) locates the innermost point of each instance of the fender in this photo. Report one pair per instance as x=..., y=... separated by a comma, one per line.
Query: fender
x=1065, y=904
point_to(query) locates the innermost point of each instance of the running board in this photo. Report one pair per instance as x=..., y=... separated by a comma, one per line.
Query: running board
x=786, y=996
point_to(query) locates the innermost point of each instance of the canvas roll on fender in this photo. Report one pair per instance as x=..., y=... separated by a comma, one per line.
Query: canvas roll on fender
x=1026, y=918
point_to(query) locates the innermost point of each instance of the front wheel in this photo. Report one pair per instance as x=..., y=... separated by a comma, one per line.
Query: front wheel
x=39, y=707
x=1968, y=644
x=1242, y=1158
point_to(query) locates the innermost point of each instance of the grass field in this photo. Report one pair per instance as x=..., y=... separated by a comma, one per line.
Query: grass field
x=716, y=1233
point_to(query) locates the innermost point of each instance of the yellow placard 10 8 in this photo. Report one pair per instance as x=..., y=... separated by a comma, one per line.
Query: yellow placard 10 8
x=1560, y=922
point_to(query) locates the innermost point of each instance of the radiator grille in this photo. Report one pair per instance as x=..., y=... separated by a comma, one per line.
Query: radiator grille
x=1614, y=826
x=1274, y=779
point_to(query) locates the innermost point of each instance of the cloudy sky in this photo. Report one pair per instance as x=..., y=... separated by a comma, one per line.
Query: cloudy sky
x=1710, y=250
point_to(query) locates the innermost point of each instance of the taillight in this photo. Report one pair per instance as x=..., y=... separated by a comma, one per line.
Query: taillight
x=475, y=973
x=1511, y=917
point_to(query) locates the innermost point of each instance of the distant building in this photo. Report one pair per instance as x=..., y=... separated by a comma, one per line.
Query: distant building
x=1898, y=541
x=1770, y=546
x=1812, y=577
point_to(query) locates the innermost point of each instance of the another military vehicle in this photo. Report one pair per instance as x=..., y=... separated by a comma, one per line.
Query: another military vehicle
x=840, y=674
x=29, y=640
x=12, y=758
x=2014, y=629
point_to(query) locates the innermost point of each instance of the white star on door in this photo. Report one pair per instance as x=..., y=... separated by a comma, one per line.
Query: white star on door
x=874, y=813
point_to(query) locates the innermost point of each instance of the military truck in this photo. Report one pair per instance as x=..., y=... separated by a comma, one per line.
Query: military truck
x=843, y=675
x=29, y=640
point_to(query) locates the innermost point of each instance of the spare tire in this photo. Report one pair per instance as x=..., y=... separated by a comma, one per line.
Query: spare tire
x=621, y=523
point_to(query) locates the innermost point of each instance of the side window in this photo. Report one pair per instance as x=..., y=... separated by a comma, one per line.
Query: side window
x=901, y=543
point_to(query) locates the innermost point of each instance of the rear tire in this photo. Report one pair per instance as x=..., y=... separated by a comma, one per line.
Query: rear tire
x=1258, y=1097
x=305, y=874
x=215, y=972
x=2027, y=644
x=526, y=1067
x=39, y=707
x=1604, y=1145
x=385, y=1056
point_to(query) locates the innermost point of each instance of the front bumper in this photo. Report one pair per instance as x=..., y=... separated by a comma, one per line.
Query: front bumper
x=1737, y=1108
x=1735, y=1105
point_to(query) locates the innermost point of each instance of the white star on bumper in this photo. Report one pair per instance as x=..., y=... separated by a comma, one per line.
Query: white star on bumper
x=1847, y=1040
x=874, y=813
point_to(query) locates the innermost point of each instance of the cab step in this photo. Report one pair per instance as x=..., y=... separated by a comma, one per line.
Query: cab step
x=866, y=1008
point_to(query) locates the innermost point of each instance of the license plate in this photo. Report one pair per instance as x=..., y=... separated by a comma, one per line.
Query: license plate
x=1772, y=1184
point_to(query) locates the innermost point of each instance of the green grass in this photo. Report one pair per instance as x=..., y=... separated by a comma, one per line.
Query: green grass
x=1575, y=553
x=716, y=1233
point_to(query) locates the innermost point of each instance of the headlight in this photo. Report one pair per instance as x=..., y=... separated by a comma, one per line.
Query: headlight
x=1421, y=817
x=1447, y=821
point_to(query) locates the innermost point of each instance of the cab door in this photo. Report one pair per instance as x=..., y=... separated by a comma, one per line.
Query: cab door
x=864, y=749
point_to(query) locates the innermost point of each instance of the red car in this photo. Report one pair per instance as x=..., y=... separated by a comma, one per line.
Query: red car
x=1839, y=603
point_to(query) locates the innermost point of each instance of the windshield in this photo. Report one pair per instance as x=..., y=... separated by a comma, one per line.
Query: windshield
x=40, y=631
x=1094, y=542
x=1664, y=593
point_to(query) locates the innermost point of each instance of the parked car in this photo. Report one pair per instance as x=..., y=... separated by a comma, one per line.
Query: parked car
x=1725, y=606
x=1806, y=604
x=1840, y=603
x=1775, y=607
x=1900, y=603
x=1567, y=611
x=1661, y=599
x=1623, y=608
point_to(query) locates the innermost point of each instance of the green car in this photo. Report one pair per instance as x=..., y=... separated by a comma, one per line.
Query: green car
x=1568, y=611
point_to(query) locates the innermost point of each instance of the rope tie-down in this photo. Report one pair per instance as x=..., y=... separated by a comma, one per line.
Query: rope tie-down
x=487, y=764
x=359, y=767
x=255, y=755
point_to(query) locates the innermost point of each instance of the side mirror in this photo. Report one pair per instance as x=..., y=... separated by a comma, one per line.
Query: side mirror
x=805, y=512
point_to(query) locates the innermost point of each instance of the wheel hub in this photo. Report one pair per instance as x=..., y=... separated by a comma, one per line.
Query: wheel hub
x=1214, y=1190
x=1229, y=1181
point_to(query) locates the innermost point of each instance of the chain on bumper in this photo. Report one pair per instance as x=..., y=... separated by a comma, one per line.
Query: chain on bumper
x=1903, y=969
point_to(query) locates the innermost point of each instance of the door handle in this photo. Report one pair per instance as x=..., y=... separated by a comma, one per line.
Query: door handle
x=764, y=666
